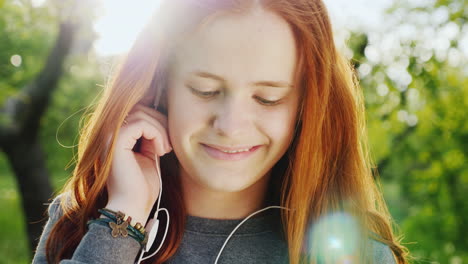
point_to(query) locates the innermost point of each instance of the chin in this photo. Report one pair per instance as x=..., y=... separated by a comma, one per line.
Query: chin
x=225, y=182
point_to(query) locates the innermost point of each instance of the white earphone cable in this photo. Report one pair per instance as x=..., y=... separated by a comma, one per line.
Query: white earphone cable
x=243, y=221
x=155, y=226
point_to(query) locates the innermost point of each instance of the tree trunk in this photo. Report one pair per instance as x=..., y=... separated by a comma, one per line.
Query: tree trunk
x=28, y=163
x=19, y=136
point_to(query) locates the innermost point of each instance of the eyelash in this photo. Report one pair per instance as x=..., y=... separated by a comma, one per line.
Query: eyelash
x=207, y=95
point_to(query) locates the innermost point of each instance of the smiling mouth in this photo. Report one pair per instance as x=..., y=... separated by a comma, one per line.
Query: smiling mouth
x=230, y=149
x=229, y=153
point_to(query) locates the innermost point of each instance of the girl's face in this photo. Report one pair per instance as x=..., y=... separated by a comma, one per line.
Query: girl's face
x=231, y=104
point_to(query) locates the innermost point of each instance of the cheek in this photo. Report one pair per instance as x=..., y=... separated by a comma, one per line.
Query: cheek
x=279, y=122
x=280, y=126
x=185, y=115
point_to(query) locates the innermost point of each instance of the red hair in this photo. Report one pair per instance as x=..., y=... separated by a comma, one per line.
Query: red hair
x=326, y=169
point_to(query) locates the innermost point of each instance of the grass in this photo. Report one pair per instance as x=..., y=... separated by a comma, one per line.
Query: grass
x=13, y=239
x=13, y=242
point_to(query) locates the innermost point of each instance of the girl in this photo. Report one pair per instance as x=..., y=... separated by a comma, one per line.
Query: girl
x=258, y=121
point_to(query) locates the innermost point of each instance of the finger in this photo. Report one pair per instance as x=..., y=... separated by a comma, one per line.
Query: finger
x=146, y=116
x=151, y=112
x=143, y=116
x=142, y=129
x=147, y=149
x=164, y=138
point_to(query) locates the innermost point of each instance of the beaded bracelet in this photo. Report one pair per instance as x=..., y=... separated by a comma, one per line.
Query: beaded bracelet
x=119, y=216
x=120, y=231
x=119, y=226
x=127, y=218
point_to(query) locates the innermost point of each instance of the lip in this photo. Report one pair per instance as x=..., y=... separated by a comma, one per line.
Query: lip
x=227, y=148
x=215, y=152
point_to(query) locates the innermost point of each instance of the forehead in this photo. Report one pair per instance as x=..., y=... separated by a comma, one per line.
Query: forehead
x=258, y=45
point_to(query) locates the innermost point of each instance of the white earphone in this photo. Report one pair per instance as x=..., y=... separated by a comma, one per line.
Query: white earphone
x=153, y=223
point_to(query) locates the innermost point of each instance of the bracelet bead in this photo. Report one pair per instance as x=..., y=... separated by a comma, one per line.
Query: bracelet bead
x=140, y=227
x=119, y=222
x=128, y=219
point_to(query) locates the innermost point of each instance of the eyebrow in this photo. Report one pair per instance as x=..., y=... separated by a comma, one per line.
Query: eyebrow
x=278, y=84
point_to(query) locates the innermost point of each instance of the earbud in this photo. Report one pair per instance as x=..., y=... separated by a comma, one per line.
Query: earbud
x=243, y=221
x=152, y=233
x=153, y=223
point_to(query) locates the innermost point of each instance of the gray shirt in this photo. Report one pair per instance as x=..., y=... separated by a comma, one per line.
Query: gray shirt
x=256, y=241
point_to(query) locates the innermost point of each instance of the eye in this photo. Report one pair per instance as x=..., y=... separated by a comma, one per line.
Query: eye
x=267, y=102
x=203, y=94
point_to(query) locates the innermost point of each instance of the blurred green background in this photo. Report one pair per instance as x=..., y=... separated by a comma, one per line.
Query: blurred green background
x=413, y=70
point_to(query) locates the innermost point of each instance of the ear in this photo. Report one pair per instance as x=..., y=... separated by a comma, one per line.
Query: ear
x=148, y=97
x=162, y=106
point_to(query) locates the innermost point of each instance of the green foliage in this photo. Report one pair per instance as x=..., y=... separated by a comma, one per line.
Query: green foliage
x=31, y=32
x=13, y=244
x=26, y=32
x=417, y=95
x=60, y=126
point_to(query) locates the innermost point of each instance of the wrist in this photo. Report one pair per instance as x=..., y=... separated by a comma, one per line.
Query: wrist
x=133, y=211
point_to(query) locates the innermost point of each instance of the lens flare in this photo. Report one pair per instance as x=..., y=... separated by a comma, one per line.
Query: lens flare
x=335, y=238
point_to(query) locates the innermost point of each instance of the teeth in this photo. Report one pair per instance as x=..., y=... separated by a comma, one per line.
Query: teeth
x=235, y=151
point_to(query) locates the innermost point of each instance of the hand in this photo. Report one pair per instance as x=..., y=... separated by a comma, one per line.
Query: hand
x=133, y=185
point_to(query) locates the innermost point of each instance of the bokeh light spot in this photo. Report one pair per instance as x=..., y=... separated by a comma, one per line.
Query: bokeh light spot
x=16, y=60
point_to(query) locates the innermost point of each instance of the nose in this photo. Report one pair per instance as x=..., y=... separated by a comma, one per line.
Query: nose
x=232, y=118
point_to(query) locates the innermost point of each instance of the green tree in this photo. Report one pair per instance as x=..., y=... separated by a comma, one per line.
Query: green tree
x=414, y=76
x=35, y=45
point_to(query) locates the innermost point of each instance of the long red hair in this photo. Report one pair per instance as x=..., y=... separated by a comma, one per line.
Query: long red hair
x=326, y=169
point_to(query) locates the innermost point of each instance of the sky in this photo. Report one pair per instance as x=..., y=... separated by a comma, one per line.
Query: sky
x=121, y=20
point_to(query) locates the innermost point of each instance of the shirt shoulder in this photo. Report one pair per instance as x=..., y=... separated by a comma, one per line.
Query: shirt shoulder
x=54, y=210
x=97, y=245
x=381, y=252
x=54, y=213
